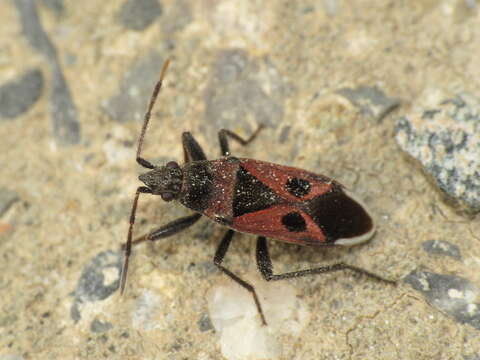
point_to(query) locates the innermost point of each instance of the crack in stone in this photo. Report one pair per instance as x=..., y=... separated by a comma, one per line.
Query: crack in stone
x=373, y=316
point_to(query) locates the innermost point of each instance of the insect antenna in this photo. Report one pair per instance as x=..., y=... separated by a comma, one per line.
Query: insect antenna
x=142, y=189
x=146, y=119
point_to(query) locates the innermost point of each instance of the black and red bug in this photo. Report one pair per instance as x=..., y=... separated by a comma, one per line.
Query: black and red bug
x=252, y=196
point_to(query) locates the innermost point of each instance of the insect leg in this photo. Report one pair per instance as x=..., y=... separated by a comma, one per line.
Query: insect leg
x=264, y=264
x=128, y=244
x=169, y=229
x=153, y=99
x=164, y=231
x=222, y=137
x=218, y=259
x=191, y=149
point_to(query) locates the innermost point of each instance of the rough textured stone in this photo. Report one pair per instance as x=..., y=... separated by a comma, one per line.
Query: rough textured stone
x=445, y=139
x=451, y=294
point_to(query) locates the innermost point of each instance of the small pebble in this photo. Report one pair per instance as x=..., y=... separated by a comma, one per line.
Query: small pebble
x=7, y=199
x=371, y=101
x=100, y=278
x=443, y=248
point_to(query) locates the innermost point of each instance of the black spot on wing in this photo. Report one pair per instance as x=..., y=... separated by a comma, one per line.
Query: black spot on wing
x=298, y=187
x=294, y=222
x=251, y=194
x=198, y=187
x=339, y=216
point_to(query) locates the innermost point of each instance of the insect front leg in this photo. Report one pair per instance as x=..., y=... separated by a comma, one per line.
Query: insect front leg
x=167, y=230
x=192, y=150
x=164, y=231
x=128, y=245
x=264, y=264
x=222, y=137
x=218, y=259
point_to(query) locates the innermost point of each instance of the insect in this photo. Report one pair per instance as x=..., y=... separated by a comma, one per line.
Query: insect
x=251, y=196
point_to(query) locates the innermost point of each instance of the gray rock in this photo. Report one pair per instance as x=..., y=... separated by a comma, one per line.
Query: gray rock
x=92, y=285
x=19, y=95
x=234, y=94
x=445, y=139
x=204, y=323
x=371, y=101
x=66, y=128
x=33, y=30
x=56, y=6
x=443, y=248
x=137, y=15
x=450, y=294
x=98, y=326
x=7, y=198
x=135, y=90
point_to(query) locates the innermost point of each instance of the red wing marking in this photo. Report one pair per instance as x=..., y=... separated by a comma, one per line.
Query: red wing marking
x=271, y=223
x=277, y=178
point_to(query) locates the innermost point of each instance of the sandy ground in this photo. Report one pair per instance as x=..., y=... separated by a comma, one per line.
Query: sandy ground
x=69, y=175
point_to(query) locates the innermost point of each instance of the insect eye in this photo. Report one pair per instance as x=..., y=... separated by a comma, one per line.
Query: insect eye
x=167, y=196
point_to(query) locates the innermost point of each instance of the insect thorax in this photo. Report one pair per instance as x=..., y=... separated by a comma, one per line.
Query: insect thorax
x=197, y=185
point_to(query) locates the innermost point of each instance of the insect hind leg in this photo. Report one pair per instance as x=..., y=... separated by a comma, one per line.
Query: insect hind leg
x=264, y=264
x=224, y=133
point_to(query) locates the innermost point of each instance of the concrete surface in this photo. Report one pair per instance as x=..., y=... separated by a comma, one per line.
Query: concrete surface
x=328, y=78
